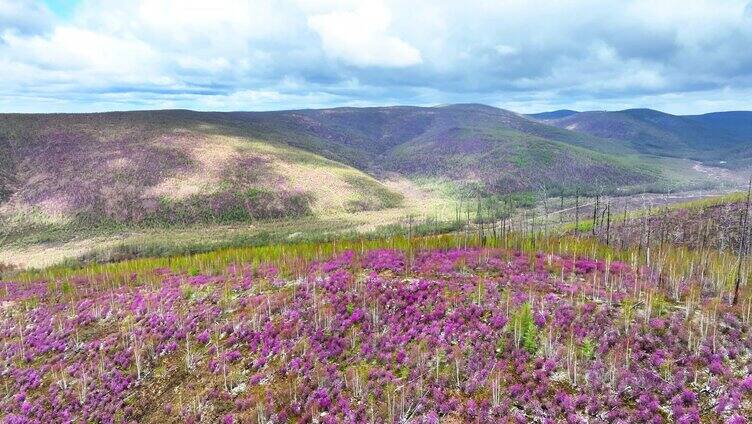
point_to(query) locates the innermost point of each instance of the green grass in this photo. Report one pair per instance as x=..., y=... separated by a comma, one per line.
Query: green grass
x=292, y=259
x=372, y=194
x=177, y=240
x=442, y=187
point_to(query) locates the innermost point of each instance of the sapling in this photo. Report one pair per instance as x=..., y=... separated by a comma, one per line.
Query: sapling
x=137, y=346
x=457, y=370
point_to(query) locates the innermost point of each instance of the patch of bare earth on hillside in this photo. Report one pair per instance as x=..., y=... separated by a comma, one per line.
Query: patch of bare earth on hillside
x=331, y=192
x=216, y=159
x=720, y=174
x=41, y=256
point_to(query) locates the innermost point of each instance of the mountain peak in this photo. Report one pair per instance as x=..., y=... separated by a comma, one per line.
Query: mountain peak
x=555, y=114
x=470, y=106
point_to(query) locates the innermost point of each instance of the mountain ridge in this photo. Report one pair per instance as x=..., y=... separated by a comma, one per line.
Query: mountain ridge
x=712, y=138
x=182, y=166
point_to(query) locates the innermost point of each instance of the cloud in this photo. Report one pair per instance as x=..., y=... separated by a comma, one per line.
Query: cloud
x=23, y=16
x=360, y=37
x=505, y=50
x=276, y=54
x=71, y=48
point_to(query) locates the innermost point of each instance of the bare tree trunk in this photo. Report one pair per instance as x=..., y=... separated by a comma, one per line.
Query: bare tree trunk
x=595, y=212
x=608, y=224
x=742, y=244
x=577, y=213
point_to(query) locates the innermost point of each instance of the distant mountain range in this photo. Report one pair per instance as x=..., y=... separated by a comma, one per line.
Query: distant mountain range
x=721, y=138
x=180, y=166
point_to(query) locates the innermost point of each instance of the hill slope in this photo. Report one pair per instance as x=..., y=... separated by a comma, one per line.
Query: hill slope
x=166, y=167
x=501, y=150
x=736, y=124
x=709, y=138
x=362, y=136
x=555, y=114
x=184, y=167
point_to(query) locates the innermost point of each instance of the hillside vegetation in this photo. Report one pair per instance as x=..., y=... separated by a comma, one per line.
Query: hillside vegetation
x=400, y=330
x=167, y=167
x=184, y=167
x=714, y=138
x=720, y=224
x=100, y=179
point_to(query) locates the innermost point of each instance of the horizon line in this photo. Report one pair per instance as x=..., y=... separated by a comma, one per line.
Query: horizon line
x=435, y=106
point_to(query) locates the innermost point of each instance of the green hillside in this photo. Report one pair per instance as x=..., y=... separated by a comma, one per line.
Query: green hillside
x=166, y=168
x=95, y=180
x=711, y=138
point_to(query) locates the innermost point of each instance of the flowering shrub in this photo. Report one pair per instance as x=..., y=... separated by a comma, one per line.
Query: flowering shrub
x=476, y=335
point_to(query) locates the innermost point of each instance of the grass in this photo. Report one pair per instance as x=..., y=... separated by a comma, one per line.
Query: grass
x=49, y=244
x=426, y=207
x=301, y=234
x=675, y=261
x=372, y=195
x=586, y=224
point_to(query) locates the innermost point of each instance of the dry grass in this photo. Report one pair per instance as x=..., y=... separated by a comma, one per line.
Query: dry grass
x=419, y=203
x=45, y=255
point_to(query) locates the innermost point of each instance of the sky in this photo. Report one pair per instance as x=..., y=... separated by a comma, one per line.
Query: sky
x=679, y=56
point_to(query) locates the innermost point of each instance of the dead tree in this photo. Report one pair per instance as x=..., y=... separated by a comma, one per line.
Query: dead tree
x=595, y=212
x=742, y=243
x=577, y=212
x=608, y=223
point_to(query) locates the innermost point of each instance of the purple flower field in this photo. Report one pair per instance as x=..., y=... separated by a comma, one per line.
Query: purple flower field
x=439, y=336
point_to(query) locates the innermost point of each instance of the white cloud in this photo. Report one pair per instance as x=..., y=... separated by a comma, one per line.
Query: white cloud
x=505, y=50
x=236, y=54
x=71, y=48
x=24, y=16
x=360, y=37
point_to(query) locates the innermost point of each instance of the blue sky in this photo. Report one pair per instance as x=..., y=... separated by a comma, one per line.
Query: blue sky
x=61, y=8
x=680, y=56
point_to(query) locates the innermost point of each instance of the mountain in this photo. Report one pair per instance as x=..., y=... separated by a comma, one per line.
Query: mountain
x=709, y=138
x=556, y=114
x=362, y=136
x=166, y=167
x=182, y=167
x=497, y=150
x=735, y=124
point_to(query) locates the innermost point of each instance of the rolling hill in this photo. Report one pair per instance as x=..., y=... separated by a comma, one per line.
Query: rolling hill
x=165, y=167
x=554, y=114
x=712, y=138
x=177, y=167
x=737, y=124
x=365, y=137
x=386, y=140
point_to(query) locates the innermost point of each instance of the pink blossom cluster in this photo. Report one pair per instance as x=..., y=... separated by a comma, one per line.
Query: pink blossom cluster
x=475, y=335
